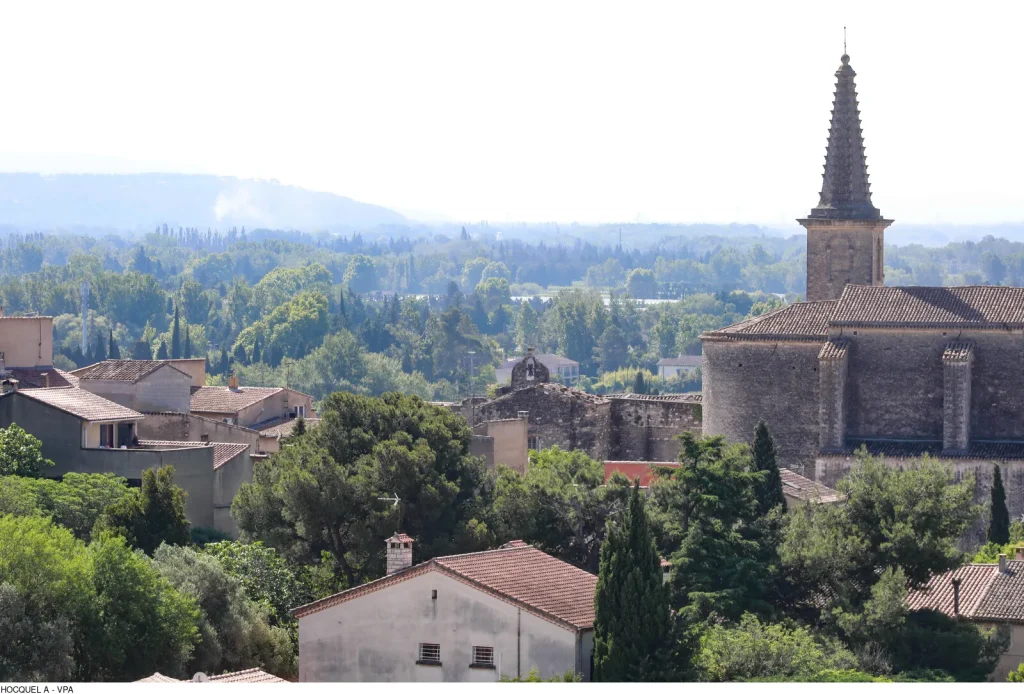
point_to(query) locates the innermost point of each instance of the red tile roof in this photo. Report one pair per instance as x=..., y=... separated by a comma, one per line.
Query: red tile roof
x=399, y=537
x=222, y=452
x=937, y=594
x=807, y=489
x=1004, y=599
x=81, y=404
x=157, y=677
x=283, y=427
x=522, y=575
x=223, y=400
x=634, y=469
x=250, y=675
x=130, y=370
x=930, y=306
x=802, y=321
x=42, y=378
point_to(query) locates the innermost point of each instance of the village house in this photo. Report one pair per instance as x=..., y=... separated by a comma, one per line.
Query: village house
x=990, y=595
x=250, y=406
x=462, y=618
x=674, y=367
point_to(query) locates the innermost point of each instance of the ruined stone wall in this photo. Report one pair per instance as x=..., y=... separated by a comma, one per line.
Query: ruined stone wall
x=557, y=416
x=744, y=382
x=645, y=429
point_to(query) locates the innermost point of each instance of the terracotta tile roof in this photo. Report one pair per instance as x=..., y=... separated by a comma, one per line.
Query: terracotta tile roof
x=399, y=537
x=522, y=575
x=833, y=350
x=984, y=450
x=807, y=489
x=157, y=677
x=81, y=404
x=958, y=350
x=930, y=306
x=222, y=452
x=937, y=594
x=283, y=427
x=681, y=360
x=1004, y=599
x=549, y=360
x=802, y=321
x=37, y=377
x=223, y=400
x=250, y=675
x=634, y=469
x=130, y=370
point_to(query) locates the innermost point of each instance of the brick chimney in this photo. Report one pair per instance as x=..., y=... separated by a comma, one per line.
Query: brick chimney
x=399, y=552
x=233, y=382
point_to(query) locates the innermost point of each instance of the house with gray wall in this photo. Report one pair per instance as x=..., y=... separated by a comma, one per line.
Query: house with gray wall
x=143, y=385
x=462, y=618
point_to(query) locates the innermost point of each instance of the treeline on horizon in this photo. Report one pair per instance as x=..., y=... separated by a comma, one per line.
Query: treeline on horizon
x=326, y=312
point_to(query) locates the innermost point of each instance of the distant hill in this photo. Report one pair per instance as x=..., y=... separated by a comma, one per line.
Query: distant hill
x=141, y=201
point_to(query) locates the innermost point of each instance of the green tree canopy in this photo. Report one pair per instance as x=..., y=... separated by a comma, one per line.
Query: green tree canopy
x=150, y=515
x=323, y=493
x=561, y=505
x=769, y=488
x=21, y=453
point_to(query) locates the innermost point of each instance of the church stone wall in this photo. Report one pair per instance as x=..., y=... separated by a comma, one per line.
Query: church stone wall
x=895, y=388
x=997, y=384
x=775, y=381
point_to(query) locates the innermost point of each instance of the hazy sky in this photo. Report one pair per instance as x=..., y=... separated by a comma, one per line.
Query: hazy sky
x=532, y=111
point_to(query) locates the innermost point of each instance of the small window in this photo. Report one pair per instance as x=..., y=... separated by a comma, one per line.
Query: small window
x=532, y=443
x=483, y=656
x=204, y=438
x=430, y=654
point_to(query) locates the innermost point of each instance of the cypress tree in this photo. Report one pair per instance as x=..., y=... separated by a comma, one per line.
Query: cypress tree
x=639, y=384
x=300, y=427
x=224, y=361
x=999, y=516
x=99, y=352
x=142, y=350
x=188, y=343
x=256, y=349
x=240, y=356
x=114, y=352
x=632, y=619
x=769, y=490
x=161, y=351
x=176, y=336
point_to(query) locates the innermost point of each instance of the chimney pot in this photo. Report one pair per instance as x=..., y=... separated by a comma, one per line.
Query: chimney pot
x=233, y=382
x=1002, y=564
x=1019, y=553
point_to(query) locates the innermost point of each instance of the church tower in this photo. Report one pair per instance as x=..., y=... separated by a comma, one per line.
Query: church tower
x=845, y=232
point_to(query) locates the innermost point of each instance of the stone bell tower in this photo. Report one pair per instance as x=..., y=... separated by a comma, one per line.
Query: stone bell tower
x=845, y=232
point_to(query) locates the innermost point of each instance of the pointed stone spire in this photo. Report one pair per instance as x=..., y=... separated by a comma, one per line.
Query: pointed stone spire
x=845, y=191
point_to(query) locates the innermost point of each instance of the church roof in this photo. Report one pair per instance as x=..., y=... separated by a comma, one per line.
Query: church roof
x=845, y=191
x=961, y=307
x=802, y=321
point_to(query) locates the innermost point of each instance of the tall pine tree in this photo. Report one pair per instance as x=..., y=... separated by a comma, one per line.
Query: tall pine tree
x=114, y=352
x=256, y=354
x=176, y=336
x=769, y=490
x=632, y=619
x=999, y=516
x=188, y=343
x=161, y=351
